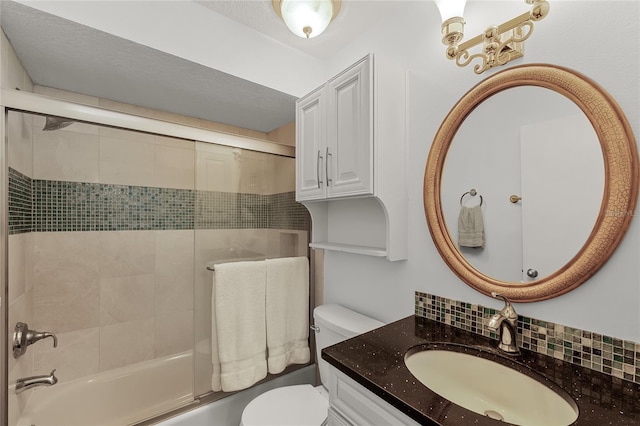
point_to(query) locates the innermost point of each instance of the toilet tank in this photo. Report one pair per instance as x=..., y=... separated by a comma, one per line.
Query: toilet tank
x=335, y=323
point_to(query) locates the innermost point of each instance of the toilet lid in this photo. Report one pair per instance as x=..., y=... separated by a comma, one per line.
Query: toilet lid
x=299, y=405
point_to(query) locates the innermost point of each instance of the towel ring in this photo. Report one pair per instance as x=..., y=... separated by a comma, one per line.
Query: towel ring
x=473, y=193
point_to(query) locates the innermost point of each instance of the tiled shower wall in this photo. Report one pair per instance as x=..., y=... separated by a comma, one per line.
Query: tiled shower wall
x=107, y=291
x=111, y=225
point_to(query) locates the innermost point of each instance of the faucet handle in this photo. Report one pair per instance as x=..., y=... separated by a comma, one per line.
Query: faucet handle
x=508, y=310
x=501, y=297
x=23, y=337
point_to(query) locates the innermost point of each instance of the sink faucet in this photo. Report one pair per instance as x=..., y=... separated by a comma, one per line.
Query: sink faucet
x=34, y=381
x=506, y=320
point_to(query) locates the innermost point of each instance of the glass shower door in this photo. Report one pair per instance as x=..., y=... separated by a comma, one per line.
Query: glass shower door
x=110, y=235
x=101, y=255
x=245, y=210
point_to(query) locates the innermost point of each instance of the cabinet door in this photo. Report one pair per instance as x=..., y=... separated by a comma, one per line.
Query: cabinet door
x=349, y=152
x=359, y=406
x=310, y=146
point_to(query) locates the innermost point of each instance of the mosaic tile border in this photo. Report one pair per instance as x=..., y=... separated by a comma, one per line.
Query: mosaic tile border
x=20, y=203
x=224, y=210
x=58, y=206
x=73, y=206
x=605, y=354
x=286, y=213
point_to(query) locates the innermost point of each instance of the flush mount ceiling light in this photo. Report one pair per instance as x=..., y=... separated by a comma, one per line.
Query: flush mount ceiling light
x=501, y=43
x=307, y=18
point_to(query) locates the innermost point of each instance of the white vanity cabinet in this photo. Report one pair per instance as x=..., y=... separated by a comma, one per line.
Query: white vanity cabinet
x=350, y=157
x=351, y=404
x=334, y=127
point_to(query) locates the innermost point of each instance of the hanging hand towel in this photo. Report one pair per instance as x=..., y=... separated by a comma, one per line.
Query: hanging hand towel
x=287, y=312
x=239, y=297
x=470, y=227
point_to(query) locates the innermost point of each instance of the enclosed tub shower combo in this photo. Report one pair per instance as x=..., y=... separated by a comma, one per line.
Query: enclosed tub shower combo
x=118, y=229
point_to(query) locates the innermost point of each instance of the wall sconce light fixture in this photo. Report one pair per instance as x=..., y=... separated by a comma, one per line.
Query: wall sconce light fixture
x=501, y=43
x=307, y=18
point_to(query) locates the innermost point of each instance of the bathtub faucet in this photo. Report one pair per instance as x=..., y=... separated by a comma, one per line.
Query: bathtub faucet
x=34, y=381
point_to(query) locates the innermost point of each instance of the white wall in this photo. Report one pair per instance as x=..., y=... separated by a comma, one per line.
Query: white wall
x=570, y=36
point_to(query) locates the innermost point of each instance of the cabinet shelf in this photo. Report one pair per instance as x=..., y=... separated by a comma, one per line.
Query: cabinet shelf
x=350, y=248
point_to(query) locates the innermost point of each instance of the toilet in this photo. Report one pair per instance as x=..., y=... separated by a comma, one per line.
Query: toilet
x=305, y=405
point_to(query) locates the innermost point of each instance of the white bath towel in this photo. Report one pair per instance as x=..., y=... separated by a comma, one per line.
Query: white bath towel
x=239, y=297
x=216, y=386
x=471, y=227
x=287, y=312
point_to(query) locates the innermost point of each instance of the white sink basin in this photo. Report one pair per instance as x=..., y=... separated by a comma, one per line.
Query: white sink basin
x=489, y=388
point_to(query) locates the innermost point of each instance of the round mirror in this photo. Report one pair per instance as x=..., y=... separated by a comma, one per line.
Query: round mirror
x=540, y=174
x=531, y=182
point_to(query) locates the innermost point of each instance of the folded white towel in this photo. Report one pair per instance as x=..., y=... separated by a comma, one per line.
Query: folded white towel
x=239, y=297
x=287, y=312
x=471, y=227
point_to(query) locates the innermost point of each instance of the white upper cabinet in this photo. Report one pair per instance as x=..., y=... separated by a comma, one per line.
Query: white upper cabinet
x=350, y=156
x=310, y=155
x=335, y=136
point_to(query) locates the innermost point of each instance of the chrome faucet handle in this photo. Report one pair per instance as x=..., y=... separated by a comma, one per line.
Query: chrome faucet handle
x=23, y=337
x=508, y=311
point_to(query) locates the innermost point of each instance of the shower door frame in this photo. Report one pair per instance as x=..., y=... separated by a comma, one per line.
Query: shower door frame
x=31, y=103
x=4, y=267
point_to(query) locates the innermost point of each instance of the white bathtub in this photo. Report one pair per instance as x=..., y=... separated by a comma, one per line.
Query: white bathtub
x=228, y=411
x=117, y=397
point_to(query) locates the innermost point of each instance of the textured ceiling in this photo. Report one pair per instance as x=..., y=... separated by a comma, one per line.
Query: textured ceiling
x=355, y=17
x=69, y=56
x=66, y=55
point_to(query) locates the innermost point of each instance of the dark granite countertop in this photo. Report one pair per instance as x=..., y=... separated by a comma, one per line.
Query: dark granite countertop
x=376, y=361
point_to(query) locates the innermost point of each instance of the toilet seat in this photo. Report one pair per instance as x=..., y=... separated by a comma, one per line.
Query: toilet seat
x=301, y=405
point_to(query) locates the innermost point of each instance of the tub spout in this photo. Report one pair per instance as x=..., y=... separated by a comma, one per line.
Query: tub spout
x=35, y=381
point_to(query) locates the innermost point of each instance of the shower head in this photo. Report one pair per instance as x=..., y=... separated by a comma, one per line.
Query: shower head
x=56, y=123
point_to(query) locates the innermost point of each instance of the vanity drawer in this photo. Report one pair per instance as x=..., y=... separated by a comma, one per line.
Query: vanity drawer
x=360, y=406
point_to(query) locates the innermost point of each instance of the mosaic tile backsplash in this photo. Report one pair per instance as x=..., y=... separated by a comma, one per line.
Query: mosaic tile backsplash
x=52, y=206
x=606, y=354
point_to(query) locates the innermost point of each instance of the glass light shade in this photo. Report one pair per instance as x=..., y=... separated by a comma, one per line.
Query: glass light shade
x=450, y=8
x=307, y=18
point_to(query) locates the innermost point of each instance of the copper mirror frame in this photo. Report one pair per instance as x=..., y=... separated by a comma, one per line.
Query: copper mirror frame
x=620, y=156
